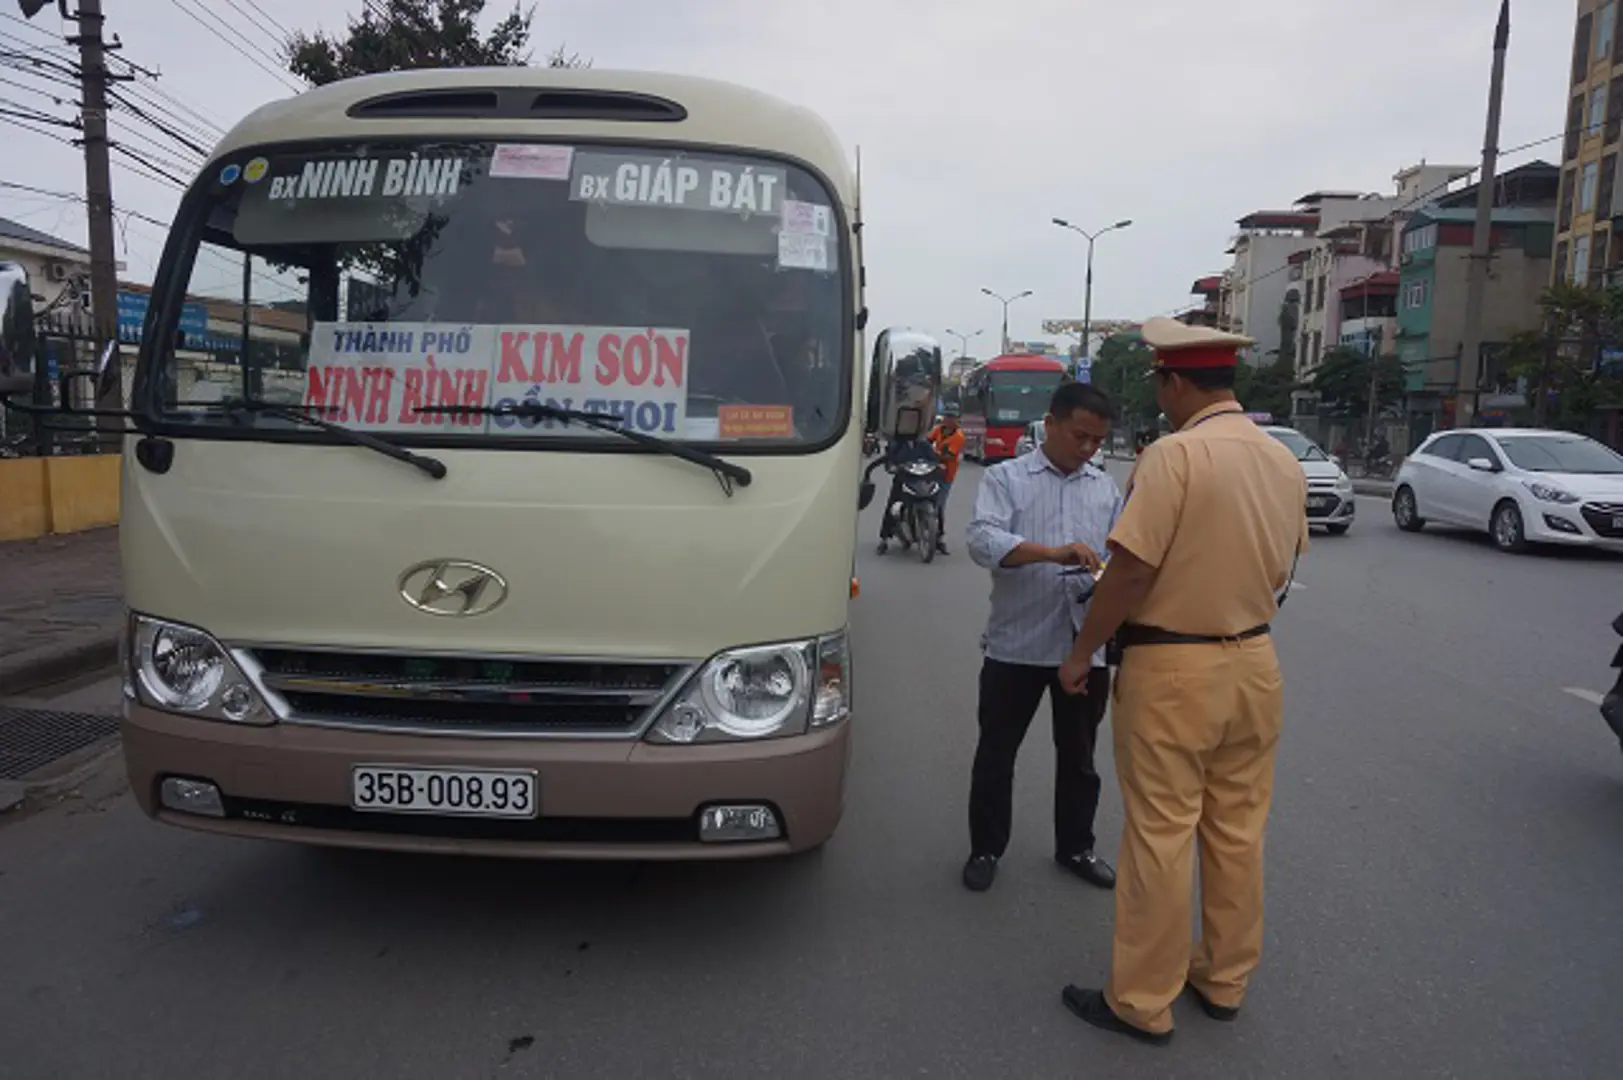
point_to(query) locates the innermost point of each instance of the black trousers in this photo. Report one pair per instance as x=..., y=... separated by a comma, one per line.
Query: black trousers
x=1009, y=696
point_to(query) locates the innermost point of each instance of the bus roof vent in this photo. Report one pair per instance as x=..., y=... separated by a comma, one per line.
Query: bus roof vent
x=572, y=104
x=461, y=102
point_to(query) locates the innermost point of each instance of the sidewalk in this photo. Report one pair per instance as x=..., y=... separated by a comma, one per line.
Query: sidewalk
x=1380, y=488
x=61, y=607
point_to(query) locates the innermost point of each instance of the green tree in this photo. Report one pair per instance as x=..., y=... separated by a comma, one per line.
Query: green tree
x=1119, y=370
x=1290, y=319
x=1562, y=363
x=1267, y=388
x=1343, y=380
x=400, y=35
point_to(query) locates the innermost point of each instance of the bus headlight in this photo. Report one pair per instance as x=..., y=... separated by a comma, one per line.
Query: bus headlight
x=183, y=670
x=761, y=692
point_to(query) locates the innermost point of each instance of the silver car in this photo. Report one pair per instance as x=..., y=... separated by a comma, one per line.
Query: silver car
x=1033, y=437
x=1030, y=439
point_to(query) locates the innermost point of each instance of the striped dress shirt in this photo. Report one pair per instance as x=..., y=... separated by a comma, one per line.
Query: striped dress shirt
x=1035, y=616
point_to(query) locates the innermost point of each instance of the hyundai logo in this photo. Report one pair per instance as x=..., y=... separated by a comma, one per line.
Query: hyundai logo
x=452, y=587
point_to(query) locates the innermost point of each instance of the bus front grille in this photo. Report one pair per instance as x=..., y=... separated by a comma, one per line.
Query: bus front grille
x=464, y=695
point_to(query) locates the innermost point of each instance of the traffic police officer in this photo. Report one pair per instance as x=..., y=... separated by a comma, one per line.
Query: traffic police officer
x=1215, y=517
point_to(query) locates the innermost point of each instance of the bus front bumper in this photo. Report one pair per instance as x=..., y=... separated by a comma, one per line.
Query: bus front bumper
x=597, y=799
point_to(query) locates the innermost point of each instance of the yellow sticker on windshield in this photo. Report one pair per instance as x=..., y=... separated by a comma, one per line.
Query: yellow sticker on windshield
x=757, y=421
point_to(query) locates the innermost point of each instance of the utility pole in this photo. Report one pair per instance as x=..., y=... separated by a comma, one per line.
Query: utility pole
x=1372, y=345
x=99, y=199
x=93, y=80
x=1465, y=408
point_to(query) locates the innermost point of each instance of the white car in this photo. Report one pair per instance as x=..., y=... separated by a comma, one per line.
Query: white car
x=1330, y=499
x=1520, y=486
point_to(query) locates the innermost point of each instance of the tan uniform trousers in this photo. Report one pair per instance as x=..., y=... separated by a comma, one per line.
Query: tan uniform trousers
x=1196, y=728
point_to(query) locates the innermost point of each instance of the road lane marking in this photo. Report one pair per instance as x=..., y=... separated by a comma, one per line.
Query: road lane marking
x=1584, y=695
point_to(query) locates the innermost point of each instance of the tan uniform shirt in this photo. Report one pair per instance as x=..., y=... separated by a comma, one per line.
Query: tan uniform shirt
x=1220, y=510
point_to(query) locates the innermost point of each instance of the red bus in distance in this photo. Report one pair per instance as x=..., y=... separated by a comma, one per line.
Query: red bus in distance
x=1001, y=397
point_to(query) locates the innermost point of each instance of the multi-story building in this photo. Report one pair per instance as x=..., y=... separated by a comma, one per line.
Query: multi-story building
x=1257, y=285
x=1209, y=311
x=1303, y=256
x=1343, y=256
x=1590, y=200
x=1436, y=256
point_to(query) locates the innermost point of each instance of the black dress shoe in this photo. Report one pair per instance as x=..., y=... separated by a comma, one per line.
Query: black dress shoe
x=1226, y=1013
x=1091, y=1007
x=884, y=546
x=979, y=872
x=1090, y=868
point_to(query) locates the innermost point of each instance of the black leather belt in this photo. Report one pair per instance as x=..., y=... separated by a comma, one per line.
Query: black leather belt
x=1135, y=634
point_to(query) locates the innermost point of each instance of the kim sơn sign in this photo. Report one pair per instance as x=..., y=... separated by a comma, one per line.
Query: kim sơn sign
x=377, y=376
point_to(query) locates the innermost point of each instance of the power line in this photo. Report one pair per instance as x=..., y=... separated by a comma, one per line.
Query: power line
x=157, y=152
x=74, y=197
x=22, y=61
x=35, y=130
x=254, y=22
x=27, y=112
x=270, y=18
x=35, y=90
x=56, y=42
x=147, y=166
x=177, y=110
x=245, y=53
x=160, y=125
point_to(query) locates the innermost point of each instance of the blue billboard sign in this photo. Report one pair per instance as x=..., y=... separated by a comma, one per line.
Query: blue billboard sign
x=132, y=314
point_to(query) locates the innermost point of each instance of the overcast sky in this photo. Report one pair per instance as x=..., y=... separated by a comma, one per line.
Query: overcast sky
x=979, y=122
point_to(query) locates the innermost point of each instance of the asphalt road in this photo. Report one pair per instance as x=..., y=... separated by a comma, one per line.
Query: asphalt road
x=1445, y=874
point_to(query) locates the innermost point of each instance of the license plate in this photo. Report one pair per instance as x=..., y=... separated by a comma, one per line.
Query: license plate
x=1319, y=502
x=1617, y=521
x=404, y=789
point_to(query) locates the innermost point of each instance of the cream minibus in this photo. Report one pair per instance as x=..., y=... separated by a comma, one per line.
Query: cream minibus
x=492, y=472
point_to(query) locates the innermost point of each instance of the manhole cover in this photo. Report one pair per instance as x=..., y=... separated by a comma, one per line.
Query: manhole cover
x=31, y=739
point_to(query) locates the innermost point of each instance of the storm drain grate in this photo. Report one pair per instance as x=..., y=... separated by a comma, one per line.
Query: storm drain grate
x=31, y=739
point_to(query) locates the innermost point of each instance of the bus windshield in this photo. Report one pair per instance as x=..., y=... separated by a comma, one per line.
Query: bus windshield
x=699, y=298
x=1019, y=397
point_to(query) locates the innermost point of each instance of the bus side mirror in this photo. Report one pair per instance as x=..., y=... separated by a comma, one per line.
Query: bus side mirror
x=865, y=494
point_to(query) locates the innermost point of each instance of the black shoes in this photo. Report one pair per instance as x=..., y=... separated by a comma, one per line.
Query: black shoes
x=979, y=872
x=1090, y=868
x=884, y=546
x=1225, y=1013
x=1091, y=1007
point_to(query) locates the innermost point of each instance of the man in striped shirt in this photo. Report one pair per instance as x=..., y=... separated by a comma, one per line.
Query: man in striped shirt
x=1036, y=517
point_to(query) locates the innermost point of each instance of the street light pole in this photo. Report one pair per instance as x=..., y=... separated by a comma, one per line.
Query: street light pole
x=963, y=340
x=1006, y=301
x=1087, y=296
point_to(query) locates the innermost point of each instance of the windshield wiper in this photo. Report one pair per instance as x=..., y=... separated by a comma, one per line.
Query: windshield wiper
x=432, y=466
x=726, y=472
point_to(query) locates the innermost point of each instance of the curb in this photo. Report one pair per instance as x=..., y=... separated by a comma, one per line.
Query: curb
x=34, y=668
x=59, y=778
